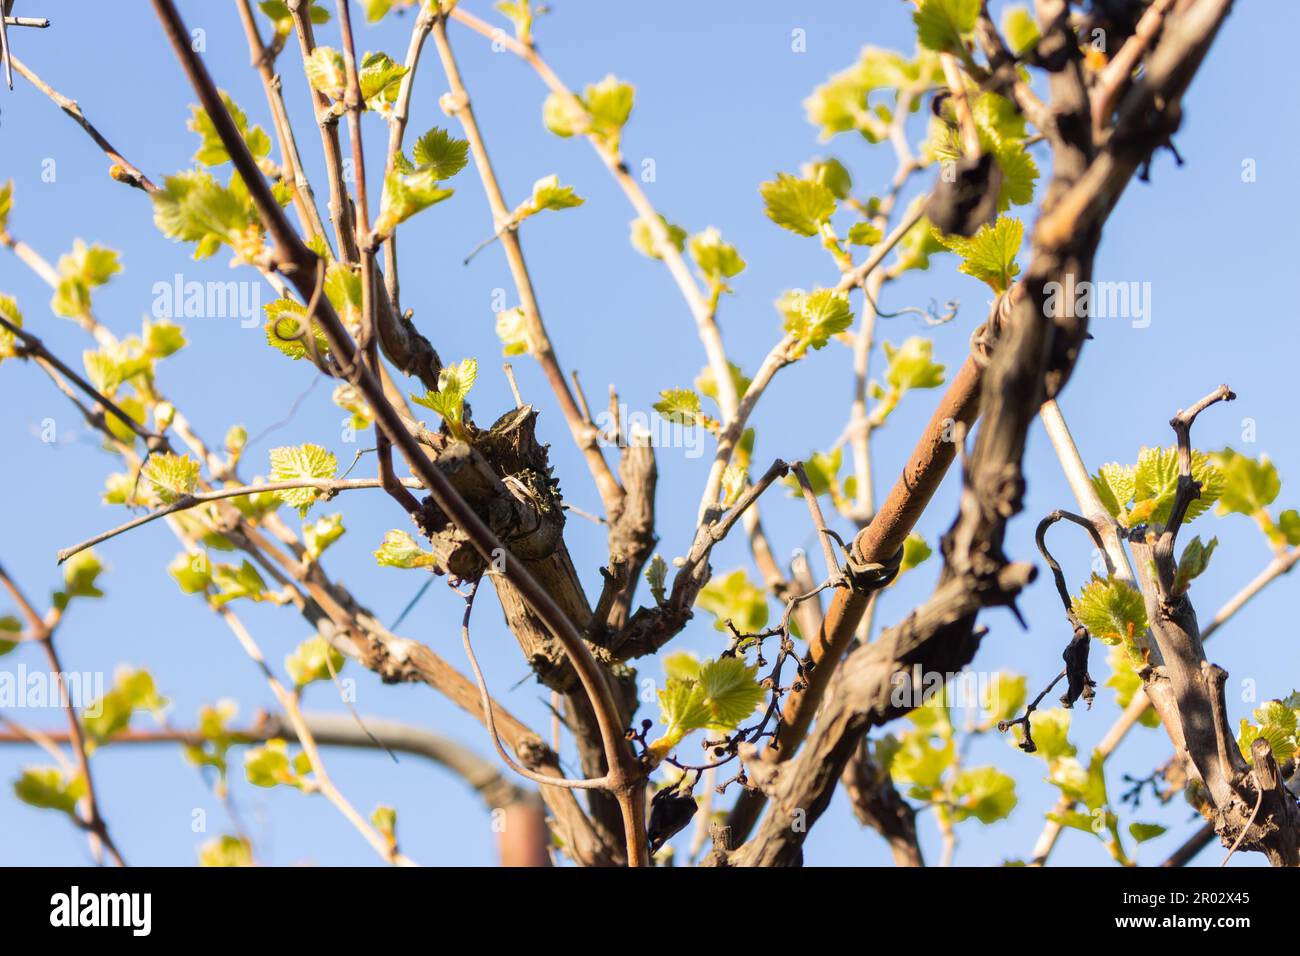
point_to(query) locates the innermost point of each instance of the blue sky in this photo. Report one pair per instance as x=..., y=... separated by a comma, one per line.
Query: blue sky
x=718, y=109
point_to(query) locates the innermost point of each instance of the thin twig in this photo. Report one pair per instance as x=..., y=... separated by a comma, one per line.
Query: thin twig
x=290, y=254
x=34, y=346
x=596, y=783
x=122, y=170
x=321, y=781
x=819, y=523
x=539, y=341
x=328, y=486
x=44, y=629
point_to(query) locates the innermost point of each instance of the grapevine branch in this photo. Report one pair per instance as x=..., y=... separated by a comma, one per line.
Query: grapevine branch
x=43, y=628
x=352, y=630
x=1031, y=363
x=292, y=257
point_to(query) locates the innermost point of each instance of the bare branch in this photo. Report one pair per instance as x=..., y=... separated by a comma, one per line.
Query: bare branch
x=121, y=170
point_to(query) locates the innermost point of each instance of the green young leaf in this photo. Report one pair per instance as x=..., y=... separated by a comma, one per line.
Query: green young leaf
x=721, y=695
x=376, y=10
x=918, y=244
x=226, y=851
x=717, y=261
x=6, y=203
x=1275, y=721
x=679, y=405
x=162, y=338
x=601, y=111
x=643, y=237
x=1111, y=609
x=271, y=765
x=734, y=479
x=413, y=186
x=1249, y=484
x=8, y=341
x=990, y=255
x=282, y=18
x=194, y=207
x=832, y=174
x=822, y=471
x=295, y=462
x=841, y=104
x=1195, y=559
x=512, y=330
x=813, y=318
x=347, y=397
x=133, y=691
x=215, y=740
x=1126, y=682
x=984, y=793
x=80, y=271
x=1020, y=28
x=1115, y=485
x=547, y=194
x=406, y=194
x=454, y=383
x=942, y=25
x=656, y=575
x=233, y=583
x=321, y=533
x=80, y=578
x=608, y=104
x=135, y=409
x=47, y=788
x=285, y=319
x=399, y=550
x=800, y=205
x=343, y=289
x=1086, y=786
x=707, y=385
x=915, y=551
x=1051, y=730
x=1155, y=485
x=922, y=759
x=1141, y=832
x=440, y=153
x=1019, y=175
x=212, y=152
x=313, y=660
x=734, y=598
x=12, y=626
x=865, y=234
x=521, y=13
x=682, y=665
x=1288, y=526
x=385, y=818
x=171, y=476
x=192, y=571
x=731, y=692
x=380, y=78
x=1006, y=696
x=326, y=72
x=562, y=116
x=910, y=366
x=114, y=364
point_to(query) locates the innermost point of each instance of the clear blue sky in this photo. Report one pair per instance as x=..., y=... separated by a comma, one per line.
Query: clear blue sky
x=718, y=107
